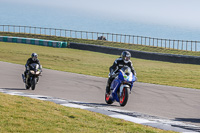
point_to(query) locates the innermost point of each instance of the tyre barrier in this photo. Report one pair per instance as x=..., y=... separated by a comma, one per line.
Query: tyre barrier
x=40, y=42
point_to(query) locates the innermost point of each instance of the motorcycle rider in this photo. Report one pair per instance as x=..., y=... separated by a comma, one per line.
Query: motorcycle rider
x=33, y=59
x=120, y=62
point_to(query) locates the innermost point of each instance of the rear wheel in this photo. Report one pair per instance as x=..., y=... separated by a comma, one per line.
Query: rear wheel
x=124, y=97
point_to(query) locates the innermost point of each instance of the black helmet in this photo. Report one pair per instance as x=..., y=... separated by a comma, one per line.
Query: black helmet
x=126, y=56
x=34, y=56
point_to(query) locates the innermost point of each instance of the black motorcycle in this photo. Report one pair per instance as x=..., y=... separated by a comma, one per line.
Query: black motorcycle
x=32, y=75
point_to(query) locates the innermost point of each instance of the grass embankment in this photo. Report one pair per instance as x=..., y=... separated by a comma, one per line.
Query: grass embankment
x=97, y=64
x=105, y=43
x=22, y=114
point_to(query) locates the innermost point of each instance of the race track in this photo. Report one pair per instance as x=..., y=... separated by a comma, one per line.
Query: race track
x=175, y=103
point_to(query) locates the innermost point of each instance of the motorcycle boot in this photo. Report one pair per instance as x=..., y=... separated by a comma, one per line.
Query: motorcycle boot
x=23, y=78
x=108, y=85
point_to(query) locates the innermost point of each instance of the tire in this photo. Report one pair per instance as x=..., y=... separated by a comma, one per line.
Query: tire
x=124, y=97
x=108, y=99
x=27, y=86
x=33, y=83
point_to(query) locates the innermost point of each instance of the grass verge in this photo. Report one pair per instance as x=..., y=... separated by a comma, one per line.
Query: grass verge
x=22, y=114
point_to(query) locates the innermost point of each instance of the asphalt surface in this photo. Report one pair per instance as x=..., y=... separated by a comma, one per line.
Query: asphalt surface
x=175, y=103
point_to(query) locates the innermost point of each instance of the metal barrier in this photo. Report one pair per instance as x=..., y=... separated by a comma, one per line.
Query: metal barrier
x=111, y=37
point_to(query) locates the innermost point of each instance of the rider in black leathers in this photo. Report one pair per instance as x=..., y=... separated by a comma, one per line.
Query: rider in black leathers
x=31, y=60
x=120, y=62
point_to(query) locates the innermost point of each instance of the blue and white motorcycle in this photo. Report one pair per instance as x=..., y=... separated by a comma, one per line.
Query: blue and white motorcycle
x=120, y=87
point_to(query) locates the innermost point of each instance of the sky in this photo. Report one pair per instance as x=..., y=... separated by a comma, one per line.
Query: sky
x=170, y=19
x=181, y=13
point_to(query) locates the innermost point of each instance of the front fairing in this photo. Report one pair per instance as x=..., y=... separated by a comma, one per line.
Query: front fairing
x=34, y=69
x=121, y=79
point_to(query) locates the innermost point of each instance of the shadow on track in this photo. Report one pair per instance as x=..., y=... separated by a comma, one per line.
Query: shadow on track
x=95, y=104
x=193, y=120
x=13, y=88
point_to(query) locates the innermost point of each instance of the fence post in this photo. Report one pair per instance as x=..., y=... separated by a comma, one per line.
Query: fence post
x=178, y=45
x=149, y=41
x=191, y=45
x=157, y=41
x=112, y=37
x=141, y=40
x=186, y=45
x=195, y=45
x=124, y=38
x=133, y=39
x=153, y=42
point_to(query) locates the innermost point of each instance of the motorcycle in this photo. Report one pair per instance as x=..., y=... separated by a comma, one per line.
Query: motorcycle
x=120, y=87
x=32, y=76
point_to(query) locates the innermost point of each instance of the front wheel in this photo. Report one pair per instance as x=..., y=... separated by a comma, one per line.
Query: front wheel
x=124, y=97
x=108, y=98
x=34, y=81
x=27, y=86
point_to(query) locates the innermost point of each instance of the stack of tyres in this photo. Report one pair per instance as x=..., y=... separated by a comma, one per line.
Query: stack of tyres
x=49, y=43
x=5, y=39
x=1, y=38
x=14, y=39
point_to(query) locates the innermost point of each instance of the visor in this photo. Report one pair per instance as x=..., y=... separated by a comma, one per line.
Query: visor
x=34, y=58
x=127, y=58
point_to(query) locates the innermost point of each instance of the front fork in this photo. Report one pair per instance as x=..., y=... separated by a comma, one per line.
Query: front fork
x=122, y=87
